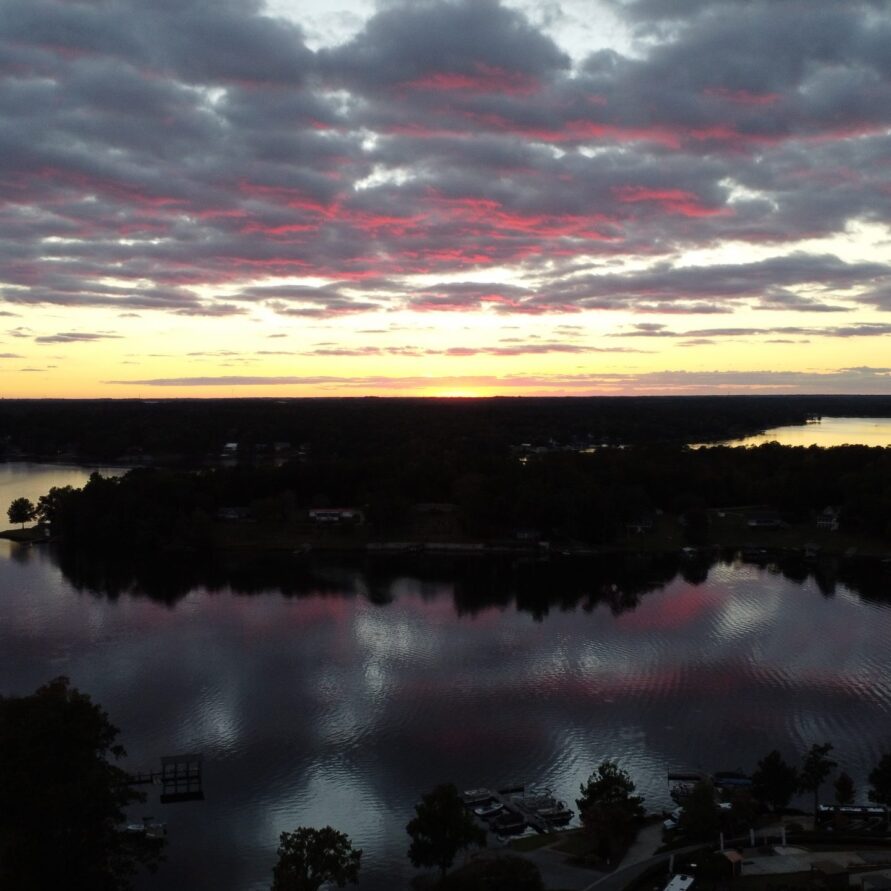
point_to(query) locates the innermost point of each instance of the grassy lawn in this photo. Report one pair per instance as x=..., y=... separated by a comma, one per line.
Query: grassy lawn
x=263, y=535
x=575, y=843
x=730, y=529
x=534, y=842
x=34, y=533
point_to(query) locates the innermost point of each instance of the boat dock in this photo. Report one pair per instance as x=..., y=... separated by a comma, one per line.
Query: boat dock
x=514, y=808
x=180, y=777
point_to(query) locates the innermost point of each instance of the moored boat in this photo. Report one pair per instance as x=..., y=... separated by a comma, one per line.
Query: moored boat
x=474, y=797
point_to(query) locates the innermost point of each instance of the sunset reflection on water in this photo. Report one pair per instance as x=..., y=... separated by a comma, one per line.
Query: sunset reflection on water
x=826, y=433
x=342, y=692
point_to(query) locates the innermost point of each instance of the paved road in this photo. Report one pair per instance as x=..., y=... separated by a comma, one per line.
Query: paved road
x=616, y=881
x=558, y=872
x=640, y=856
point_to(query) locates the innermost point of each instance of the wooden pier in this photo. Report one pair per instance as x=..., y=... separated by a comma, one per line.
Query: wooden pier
x=180, y=777
x=518, y=802
x=534, y=805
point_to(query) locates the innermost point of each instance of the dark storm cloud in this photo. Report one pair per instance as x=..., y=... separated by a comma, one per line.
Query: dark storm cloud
x=74, y=337
x=776, y=298
x=219, y=42
x=864, y=329
x=880, y=298
x=690, y=289
x=516, y=349
x=863, y=380
x=172, y=146
x=460, y=296
x=530, y=349
x=475, y=46
x=69, y=290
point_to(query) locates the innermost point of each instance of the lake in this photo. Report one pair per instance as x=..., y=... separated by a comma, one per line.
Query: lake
x=23, y=479
x=827, y=432
x=335, y=692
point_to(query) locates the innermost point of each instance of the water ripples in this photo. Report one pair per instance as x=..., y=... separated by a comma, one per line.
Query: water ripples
x=337, y=711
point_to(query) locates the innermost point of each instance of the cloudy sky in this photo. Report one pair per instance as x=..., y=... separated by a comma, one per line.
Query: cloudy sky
x=444, y=197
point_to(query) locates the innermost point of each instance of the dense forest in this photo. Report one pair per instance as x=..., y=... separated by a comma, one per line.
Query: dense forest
x=443, y=492
x=187, y=431
x=572, y=472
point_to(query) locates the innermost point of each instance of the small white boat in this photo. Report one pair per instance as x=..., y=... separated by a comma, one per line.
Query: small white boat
x=557, y=815
x=148, y=829
x=488, y=810
x=472, y=797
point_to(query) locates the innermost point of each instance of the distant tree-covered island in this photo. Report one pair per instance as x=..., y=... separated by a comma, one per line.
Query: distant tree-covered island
x=646, y=497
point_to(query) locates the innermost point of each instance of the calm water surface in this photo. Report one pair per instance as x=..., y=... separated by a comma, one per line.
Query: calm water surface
x=341, y=701
x=22, y=479
x=828, y=432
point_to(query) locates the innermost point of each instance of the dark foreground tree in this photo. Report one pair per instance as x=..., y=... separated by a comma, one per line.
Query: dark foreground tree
x=609, y=808
x=61, y=800
x=880, y=781
x=21, y=511
x=816, y=768
x=440, y=828
x=309, y=858
x=774, y=781
x=701, y=817
x=844, y=789
x=51, y=508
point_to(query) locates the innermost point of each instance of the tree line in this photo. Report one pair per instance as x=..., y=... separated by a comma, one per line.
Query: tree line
x=562, y=496
x=612, y=813
x=191, y=430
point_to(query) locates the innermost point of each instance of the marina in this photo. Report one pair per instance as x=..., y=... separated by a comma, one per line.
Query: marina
x=516, y=808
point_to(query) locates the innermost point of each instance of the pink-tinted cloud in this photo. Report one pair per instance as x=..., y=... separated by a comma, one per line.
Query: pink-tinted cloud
x=676, y=201
x=186, y=149
x=742, y=97
x=484, y=79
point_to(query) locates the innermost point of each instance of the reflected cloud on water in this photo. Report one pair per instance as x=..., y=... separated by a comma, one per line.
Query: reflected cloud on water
x=337, y=690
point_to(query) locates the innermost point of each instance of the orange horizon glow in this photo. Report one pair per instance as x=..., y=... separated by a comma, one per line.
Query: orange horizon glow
x=360, y=200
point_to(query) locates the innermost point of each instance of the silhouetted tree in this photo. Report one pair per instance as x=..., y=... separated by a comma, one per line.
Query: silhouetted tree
x=701, y=816
x=309, y=858
x=743, y=809
x=880, y=781
x=844, y=789
x=61, y=800
x=440, y=828
x=774, y=781
x=52, y=506
x=816, y=768
x=609, y=808
x=21, y=511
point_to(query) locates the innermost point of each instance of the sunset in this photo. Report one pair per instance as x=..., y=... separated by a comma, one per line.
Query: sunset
x=444, y=198
x=445, y=445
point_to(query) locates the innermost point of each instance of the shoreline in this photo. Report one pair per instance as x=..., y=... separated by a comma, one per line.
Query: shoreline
x=667, y=537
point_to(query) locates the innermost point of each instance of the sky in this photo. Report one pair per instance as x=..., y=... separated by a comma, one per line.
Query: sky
x=444, y=197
